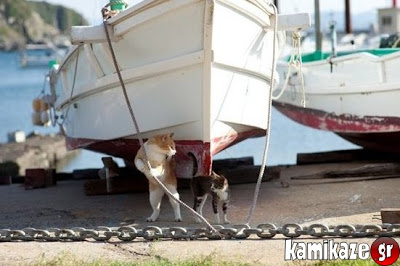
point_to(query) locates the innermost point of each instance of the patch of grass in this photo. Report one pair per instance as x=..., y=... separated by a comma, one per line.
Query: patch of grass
x=369, y=262
x=67, y=259
x=201, y=261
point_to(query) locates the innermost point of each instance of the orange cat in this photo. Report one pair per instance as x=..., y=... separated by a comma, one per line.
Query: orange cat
x=159, y=150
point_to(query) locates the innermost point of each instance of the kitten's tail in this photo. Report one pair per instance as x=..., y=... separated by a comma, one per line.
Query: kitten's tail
x=195, y=164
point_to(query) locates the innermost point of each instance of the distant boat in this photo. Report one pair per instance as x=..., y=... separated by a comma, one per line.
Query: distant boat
x=39, y=55
x=200, y=69
x=354, y=94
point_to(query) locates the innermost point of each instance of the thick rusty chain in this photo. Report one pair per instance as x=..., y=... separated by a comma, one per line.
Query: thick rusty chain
x=150, y=233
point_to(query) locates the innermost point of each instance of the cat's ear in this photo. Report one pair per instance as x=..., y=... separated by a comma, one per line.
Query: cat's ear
x=214, y=173
x=171, y=135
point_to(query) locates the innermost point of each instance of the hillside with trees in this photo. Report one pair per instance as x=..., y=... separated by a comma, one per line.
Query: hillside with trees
x=24, y=22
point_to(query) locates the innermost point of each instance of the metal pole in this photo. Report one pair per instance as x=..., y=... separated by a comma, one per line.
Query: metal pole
x=108, y=180
x=276, y=3
x=318, y=33
x=348, y=15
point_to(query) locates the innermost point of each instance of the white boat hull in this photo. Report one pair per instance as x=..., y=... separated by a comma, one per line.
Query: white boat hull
x=358, y=100
x=200, y=69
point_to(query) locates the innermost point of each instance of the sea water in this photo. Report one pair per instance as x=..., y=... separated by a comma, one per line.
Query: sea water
x=19, y=86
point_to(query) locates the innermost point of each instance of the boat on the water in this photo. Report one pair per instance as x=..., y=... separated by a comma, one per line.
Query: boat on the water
x=198, y=68
x=41, y=55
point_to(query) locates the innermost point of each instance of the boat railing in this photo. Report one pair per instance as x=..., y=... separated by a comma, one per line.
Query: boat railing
x=372, y=55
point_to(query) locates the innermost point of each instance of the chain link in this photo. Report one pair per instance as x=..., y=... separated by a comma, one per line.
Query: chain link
x=128, y=233
x=239, y=232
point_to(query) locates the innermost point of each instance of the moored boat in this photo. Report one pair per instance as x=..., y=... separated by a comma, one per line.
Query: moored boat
x=41, y=55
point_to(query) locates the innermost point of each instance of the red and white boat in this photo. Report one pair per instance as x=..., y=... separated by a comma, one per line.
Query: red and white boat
x=355, y=95
x=198, y=68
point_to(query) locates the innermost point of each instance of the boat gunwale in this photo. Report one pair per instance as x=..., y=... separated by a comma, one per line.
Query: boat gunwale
x=122, y=27
x=376, y=88
x=349, y=55
x=115, y=20
x=148, y=4
x=135, y=9
x=256, y=19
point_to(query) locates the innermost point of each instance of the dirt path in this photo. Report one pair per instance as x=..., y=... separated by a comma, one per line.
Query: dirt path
x=66, y=206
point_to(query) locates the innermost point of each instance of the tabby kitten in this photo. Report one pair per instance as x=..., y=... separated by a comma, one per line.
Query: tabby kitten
x=214, y=185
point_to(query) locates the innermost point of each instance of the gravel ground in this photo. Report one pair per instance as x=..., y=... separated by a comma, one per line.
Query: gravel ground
x=65, y=206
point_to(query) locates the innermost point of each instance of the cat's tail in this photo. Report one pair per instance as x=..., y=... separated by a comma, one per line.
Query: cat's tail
x=195, y=164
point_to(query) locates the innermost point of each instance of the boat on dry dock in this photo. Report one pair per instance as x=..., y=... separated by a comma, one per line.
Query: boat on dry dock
x=352, y=93
x=358, y=100
x=198, y=68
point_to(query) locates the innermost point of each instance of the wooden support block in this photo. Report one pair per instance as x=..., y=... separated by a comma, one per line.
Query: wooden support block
x=39, y=178
x=62, y=176
x=346, y=156
x=338, y=172
x=5, y=180
x=91, y=173
x=119, y=185
x=347, y=171
x=18, y=179
x=110, y=163
x=232, y=163
x=249, y=174
x=238, y=171
x=372, y=169
x=110, y=169
x=390, y=215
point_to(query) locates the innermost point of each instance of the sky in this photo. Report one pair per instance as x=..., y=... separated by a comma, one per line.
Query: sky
x=91, y=8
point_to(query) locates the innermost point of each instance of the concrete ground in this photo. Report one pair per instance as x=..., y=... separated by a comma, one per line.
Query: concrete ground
x=65, y=206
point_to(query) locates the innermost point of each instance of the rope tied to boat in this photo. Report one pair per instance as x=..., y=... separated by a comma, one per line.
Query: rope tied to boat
x=147, y=163
x=267, y=131
x=139, y=135
x=294, y=65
